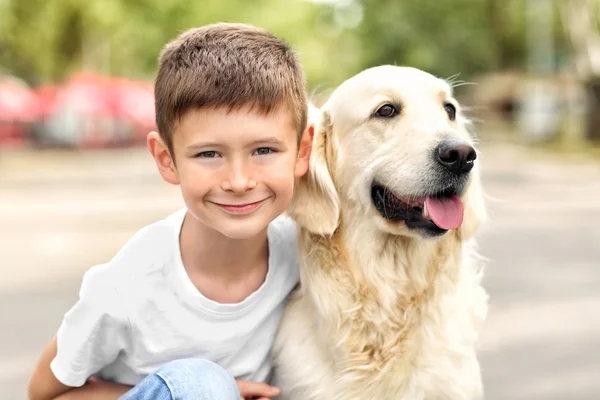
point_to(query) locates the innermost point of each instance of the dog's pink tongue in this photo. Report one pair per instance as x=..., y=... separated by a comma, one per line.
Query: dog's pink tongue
x=447, y=213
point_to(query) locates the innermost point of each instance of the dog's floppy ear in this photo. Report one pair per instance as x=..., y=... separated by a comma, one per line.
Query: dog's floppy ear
x=474, y=204
x=316, y=204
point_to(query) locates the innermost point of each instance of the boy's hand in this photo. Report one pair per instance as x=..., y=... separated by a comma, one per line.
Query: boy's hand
x=258, y=390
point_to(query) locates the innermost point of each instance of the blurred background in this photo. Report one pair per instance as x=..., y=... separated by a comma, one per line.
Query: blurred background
x=76, y=102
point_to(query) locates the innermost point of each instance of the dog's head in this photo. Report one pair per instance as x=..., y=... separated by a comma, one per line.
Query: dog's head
x=391, y=143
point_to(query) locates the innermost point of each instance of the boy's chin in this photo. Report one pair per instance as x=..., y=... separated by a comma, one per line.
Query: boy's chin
x=240, y=230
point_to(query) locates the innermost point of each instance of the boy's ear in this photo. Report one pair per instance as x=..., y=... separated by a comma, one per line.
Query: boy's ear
x=164, y=161
x=302, y=161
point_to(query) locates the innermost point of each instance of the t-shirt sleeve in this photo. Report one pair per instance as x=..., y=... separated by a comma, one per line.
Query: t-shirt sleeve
x=93, y=331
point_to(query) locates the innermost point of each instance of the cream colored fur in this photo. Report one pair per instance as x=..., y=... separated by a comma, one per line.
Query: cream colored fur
x=382, y=312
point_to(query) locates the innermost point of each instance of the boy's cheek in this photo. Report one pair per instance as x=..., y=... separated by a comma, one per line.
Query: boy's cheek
x=283, y=181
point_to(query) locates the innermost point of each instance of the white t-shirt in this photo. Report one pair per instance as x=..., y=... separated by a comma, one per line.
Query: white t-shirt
x=141, y=310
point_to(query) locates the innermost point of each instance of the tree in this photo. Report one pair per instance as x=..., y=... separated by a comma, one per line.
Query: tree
x=47, y=40
x=581, y=21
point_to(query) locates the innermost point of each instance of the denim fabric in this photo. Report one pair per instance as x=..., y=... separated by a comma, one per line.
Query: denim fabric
x=186, y=380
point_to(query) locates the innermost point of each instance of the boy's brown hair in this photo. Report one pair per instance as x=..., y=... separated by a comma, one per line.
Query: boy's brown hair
x=227, y=65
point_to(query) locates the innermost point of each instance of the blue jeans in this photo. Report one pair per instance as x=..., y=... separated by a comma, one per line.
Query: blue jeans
x=186, y=379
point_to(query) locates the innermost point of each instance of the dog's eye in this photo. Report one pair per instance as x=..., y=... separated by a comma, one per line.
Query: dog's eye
x=387, y=111
x=451, y=111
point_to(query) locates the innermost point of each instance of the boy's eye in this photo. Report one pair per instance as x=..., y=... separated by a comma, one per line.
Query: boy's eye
x=264, y=151
x=207, y=154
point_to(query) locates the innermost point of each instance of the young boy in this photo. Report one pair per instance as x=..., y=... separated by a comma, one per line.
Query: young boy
x=193, y=301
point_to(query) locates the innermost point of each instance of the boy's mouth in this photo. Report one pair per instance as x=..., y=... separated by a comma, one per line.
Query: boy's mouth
x=240, y=209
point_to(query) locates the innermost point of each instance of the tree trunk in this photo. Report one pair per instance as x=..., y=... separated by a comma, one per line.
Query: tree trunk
x=496, y=18
x=581, y=23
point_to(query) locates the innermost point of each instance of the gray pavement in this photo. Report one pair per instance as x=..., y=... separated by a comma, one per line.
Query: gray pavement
x=62, y=212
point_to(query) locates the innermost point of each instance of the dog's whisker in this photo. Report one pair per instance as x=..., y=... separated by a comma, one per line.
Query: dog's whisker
x=385, y=194
x=454, y=83
x=452, y=78
x=462, y=83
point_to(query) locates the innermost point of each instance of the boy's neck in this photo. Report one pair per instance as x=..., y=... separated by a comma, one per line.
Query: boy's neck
x=209, y=253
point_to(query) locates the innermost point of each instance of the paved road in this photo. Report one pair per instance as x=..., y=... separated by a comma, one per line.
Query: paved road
x=61, y=212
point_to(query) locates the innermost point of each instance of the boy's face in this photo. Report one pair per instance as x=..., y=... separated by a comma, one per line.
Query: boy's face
x=236, y=169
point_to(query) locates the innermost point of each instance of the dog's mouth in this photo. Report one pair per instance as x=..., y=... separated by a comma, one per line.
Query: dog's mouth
x=436, y=213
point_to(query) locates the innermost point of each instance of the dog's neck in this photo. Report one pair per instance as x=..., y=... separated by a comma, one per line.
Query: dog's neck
x=361, y=280
x=417, y=261
x=394, y=270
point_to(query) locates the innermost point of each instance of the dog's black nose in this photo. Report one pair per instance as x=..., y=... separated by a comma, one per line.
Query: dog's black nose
x=456, y=156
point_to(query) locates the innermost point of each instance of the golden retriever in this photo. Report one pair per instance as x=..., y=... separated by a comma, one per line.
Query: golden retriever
x=390, y=301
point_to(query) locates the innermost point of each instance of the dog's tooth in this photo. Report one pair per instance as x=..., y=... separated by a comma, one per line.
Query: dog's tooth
x=425, y=212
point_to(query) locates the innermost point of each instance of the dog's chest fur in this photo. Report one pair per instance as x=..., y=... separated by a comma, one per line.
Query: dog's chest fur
x=401, y=325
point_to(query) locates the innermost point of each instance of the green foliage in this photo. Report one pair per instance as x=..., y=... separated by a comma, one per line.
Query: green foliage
x=46, y=40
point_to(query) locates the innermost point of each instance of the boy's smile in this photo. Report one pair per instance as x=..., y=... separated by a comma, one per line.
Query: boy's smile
x=241, y=209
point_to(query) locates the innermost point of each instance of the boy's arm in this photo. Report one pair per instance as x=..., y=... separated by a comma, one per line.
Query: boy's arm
x=43, y=385
x=95, y=390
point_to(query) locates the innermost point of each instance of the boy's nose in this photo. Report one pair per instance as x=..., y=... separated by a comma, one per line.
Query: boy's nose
x=238, y=180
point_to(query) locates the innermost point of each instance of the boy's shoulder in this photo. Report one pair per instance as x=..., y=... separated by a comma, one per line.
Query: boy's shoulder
x=152, y=245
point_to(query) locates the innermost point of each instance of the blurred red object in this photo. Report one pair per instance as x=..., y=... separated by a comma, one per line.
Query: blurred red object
x=87, y=110
x=90, y=110
x=19, y=107
x=85, y=113
x=134, y=102
x=47, y=95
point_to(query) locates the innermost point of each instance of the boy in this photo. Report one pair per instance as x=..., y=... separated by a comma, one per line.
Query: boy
x=194, y=300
